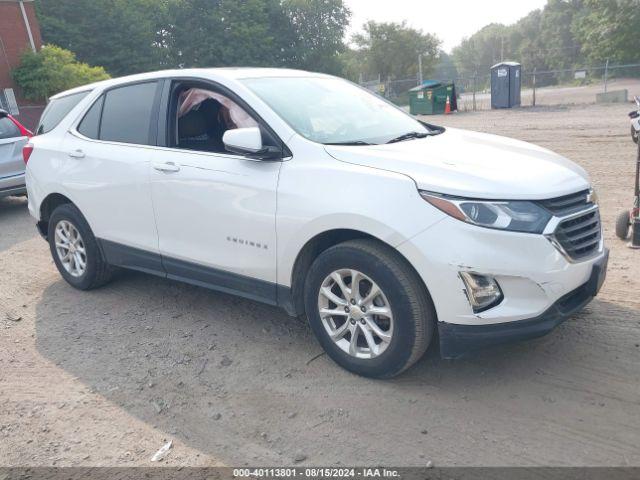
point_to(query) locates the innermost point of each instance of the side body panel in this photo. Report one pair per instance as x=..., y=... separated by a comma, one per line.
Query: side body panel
x=110, y=185
x=216, y=210
x=318, y=193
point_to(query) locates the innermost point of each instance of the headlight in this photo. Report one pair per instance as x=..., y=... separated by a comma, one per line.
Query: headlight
x=515, y=216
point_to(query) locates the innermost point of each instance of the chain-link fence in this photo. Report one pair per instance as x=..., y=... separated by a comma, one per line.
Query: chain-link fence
x=539, y=88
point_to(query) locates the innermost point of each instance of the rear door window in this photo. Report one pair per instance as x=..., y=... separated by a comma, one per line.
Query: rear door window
x=57, y=109
x=127, y=114
x=8, y=129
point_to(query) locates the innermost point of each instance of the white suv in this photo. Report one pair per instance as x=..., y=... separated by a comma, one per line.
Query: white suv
x=305, y=191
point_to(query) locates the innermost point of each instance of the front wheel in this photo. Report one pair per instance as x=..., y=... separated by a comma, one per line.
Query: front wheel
x=368, y=308
x=634, y=134
x=75, y=250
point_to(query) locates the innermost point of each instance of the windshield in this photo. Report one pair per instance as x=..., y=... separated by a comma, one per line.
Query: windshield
x=334, y=111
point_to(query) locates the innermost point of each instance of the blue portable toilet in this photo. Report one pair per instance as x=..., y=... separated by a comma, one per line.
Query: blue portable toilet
x=506, y=80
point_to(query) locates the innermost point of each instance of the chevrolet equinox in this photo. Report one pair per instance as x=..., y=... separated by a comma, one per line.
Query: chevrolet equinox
x=308, y=192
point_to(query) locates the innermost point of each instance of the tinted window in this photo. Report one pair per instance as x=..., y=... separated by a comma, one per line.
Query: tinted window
x=91, y=121
x=126, y=115
x=57, y=110
x=8, y=129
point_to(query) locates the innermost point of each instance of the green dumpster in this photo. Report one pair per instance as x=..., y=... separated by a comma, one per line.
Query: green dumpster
x=430, y=98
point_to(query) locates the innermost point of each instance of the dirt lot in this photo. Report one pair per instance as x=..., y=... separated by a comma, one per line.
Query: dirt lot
x=105, y=377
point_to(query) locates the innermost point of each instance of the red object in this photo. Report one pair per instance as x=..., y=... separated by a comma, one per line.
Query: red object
x=447, y=107
x=24, y=131
x=27, y=150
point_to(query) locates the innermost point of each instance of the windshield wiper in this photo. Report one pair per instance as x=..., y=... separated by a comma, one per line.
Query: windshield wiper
x=408, y=136
x=353, y=142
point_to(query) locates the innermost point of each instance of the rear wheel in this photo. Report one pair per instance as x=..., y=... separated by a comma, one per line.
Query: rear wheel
x=368, y=308
x=75, y=250
x=622, y=225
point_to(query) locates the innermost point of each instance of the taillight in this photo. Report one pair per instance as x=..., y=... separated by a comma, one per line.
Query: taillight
x=27, y=150
x=24, y=132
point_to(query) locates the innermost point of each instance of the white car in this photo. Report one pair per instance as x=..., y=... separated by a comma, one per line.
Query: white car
x=305, y=191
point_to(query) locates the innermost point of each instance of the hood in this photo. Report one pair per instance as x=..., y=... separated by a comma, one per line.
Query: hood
x=474, y=165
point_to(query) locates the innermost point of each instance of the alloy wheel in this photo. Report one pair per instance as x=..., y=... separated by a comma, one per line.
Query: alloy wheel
x=70, y=248
x=355, y=313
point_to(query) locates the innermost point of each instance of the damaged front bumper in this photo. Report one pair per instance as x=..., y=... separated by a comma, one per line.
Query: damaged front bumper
x=456, y=340
x=540, y=287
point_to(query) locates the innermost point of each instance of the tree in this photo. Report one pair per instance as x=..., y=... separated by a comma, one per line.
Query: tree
x=608, y=30
x=128, y=36
x=218, y=33
x=317, y=28
x=391, y=49
x=296, y=33
x=52, y=70
x=445, y=69
x=124, y=36
x=481, y=50
x=560, y=48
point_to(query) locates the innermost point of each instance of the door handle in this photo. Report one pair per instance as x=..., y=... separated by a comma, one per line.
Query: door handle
x=77, y=154
x=166, y=167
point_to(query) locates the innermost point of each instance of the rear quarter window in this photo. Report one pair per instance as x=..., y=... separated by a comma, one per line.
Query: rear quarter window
x=57, y=109
x=90, y=124
x=8, y=129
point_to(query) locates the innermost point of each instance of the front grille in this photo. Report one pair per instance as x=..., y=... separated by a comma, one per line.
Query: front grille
x=568, y=204
x=580, y=236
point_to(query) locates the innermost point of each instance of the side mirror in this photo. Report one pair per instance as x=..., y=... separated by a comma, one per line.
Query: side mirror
x=243, y=140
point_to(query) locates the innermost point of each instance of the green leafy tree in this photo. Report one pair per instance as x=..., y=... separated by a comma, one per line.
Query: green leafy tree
x=52, y=70
x=216, y=33
x=391, y=49
x=481, y=50
x=316, y=31
x=124, y=36
x=526, y=43
x=446, y=68
x=295, y=33
x=608, y=30
x=559, y=47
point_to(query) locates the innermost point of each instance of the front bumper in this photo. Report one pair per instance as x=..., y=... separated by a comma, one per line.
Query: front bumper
x=541, y=287
x=456, y=340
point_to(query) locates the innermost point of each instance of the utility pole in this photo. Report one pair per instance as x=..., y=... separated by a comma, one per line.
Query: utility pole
x=420, y=78
x=502, y=48
x=606, y=74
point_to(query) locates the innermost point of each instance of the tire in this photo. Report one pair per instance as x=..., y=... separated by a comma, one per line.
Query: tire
x=622, y=225
x=412, y=318
x=97, y=271
x=634, y=135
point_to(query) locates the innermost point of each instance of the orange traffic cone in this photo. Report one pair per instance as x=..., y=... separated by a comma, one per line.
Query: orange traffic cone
x=447, y=107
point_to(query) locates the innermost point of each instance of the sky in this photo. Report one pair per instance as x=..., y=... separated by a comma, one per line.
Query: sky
x=450, y=21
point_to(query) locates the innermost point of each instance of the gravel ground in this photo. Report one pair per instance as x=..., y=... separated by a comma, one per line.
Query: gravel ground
x=105, y=378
